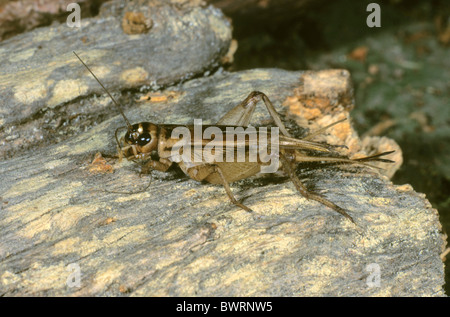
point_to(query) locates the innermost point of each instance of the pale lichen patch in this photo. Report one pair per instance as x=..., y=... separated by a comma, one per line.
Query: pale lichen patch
x=70, y=216
x=85, y=144
x=257, y=74
x=107, y=276
x=379, y=201
x=134, y=76
x=117, y=237
x=66, y=246
x=56, y=163
x=66, y=90
x=100, y=71
x=29, y=185
x=323, y=269
x=55, y=276
x=31, y=91
x=221, y=30
x=35, y=213
x=22, y=55
x=246, y=280
x=62, y=148
x=44, y=34
x=8, y=278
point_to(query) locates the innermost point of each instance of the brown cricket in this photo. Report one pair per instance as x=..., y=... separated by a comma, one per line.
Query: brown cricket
x=156, y=144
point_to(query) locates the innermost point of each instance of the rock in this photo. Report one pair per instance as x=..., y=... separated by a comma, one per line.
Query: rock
x=179, y=237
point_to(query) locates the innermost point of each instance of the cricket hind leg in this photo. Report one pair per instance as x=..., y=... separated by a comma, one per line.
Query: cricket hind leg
x=321, y=130
x=288, y=168
x=371, y=158
x=274, y=114
x=301, y=158
x=242, y=113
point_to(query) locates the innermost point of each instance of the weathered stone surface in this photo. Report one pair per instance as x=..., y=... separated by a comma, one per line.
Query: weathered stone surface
x=180, y=237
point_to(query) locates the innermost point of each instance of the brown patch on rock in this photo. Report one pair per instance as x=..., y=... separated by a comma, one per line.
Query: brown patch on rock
x=136, y=23
x=99, y=165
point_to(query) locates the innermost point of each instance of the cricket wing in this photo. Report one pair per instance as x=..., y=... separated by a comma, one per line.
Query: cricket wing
x=239, y=115
x=223, y=142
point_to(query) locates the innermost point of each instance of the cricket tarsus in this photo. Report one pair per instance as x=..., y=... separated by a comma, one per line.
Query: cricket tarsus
x=143, y=139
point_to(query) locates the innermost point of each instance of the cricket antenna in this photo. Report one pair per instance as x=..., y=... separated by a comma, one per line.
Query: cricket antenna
x=115, y=102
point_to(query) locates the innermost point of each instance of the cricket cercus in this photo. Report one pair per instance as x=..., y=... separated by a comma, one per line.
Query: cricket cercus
x=237, y=151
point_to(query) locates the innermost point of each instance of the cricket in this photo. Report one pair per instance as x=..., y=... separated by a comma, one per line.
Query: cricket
x=247, y=152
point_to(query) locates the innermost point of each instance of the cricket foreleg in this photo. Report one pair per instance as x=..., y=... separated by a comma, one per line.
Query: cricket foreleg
x=162, y=165
x=287, y=166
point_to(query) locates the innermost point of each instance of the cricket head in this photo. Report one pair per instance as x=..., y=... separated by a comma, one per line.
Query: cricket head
x=140, y=139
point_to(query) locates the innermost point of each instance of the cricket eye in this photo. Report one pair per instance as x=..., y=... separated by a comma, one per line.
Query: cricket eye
x=143, y=139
